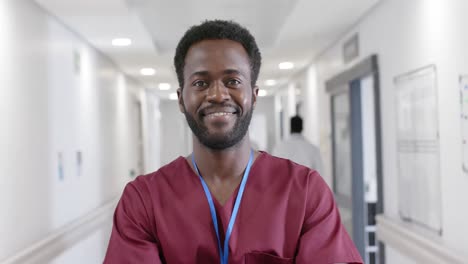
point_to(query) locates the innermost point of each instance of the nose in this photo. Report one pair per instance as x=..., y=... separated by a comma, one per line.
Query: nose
x=217, y=92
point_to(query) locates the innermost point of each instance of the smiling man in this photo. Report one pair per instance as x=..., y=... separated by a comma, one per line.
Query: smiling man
x=225, y=202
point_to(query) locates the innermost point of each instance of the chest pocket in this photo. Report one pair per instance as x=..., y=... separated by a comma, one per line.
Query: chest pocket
x=265, y=258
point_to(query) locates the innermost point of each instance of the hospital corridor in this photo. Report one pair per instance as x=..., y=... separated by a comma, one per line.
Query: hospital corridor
x=369, y=95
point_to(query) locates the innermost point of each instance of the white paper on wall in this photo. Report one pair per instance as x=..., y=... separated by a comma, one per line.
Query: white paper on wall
x=464, y=121
x=418, y=148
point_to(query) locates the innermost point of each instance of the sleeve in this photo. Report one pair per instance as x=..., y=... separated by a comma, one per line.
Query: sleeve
x=133, y=238
x=324, y=239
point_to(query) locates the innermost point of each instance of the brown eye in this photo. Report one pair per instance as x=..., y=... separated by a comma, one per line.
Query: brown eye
x=200, y=84
x=233, y=82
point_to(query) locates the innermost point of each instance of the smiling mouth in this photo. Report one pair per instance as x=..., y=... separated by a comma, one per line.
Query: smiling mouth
x=217, y=114
x=213, y=112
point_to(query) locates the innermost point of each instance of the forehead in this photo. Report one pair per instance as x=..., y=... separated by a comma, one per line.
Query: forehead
x=216, y=56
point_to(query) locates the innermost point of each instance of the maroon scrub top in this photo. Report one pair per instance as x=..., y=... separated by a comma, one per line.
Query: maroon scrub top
x=287, y=215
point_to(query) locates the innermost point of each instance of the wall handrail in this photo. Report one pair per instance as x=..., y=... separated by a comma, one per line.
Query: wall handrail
x=65, y=237
x=413, y=244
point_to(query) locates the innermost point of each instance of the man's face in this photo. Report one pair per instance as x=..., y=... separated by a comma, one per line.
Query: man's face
x=217, y=98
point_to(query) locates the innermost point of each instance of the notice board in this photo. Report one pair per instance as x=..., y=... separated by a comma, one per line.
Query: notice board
x=418, y=153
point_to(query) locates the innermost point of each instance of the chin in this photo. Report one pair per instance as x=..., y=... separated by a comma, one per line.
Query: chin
x=219, y=136
x=221, y=131
x=219, y=140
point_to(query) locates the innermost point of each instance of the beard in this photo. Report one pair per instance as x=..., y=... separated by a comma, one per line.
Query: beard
x=217, y=141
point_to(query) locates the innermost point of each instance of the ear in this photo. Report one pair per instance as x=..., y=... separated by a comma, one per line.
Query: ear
x=254, y=95
x=180, y=100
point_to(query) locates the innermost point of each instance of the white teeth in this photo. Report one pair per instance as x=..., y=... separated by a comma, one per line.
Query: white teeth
x=219, y=114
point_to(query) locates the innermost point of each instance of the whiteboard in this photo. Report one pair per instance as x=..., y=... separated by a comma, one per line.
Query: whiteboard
x=418, y=153
x=464, y=122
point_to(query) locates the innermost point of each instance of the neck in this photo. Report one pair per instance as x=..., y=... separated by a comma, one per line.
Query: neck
x=222, y=165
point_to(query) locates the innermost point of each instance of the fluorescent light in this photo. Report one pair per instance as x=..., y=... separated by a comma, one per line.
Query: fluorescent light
x=121, y=42
x=270, y=82
x=286, y=65
x=148, y=71
x=262, y=92
x=164, y=86
x=173, y=96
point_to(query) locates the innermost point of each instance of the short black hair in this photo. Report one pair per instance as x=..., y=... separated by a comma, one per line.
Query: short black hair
x=218, y=29
x=296, y=124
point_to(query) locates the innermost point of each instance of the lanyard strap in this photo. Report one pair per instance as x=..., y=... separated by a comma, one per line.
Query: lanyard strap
x=224, y=254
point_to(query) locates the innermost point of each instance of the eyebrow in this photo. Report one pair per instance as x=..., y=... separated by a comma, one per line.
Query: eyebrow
x=207, y=73
x=232, y=71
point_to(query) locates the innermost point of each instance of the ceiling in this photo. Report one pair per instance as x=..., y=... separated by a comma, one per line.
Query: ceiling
x=286, y=30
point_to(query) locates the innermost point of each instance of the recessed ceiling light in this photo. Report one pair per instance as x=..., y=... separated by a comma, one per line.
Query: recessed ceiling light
x=164, y=86
x=173, y=96
x=270, y=82
x=148, y=71
x=262, y=92
x=286, y=65
x=120, y=42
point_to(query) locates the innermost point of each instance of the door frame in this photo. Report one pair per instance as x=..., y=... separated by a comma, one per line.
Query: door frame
x=342, y=83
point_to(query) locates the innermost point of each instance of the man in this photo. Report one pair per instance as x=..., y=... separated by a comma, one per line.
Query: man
x=298, y=149
x=226, y=203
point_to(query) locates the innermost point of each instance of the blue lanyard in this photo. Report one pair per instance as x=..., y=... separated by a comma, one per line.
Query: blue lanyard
x=224, y=254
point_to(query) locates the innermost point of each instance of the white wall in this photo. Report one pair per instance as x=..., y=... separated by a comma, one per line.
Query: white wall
x=176, y=139
x=266, y=107
x=46, y=108
x=310, y=105
x=151, y=125
x=408, y=35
